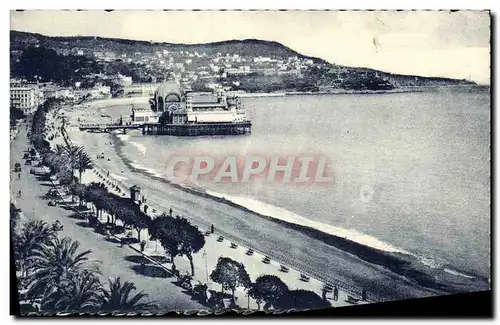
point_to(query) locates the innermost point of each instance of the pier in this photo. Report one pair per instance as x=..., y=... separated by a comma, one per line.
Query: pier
x=109, y=127
x=198, y=129
x=189, y=129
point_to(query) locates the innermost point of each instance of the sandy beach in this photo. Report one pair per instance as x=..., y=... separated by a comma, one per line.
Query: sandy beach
x=297, y=248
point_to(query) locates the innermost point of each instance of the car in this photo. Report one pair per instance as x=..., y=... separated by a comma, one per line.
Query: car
x=52, y=193
x=40, y=171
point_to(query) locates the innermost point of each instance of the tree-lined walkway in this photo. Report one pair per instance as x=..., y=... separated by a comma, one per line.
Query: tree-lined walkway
x=116, y=261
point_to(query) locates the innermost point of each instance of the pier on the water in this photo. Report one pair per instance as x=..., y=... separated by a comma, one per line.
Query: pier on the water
x=109, y=127
x=191, y=129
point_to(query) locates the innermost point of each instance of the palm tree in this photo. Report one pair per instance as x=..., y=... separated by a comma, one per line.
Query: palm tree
x=71, y=155
x=83, y=163
x=60, y=150
x=56, y=264
x=34, y=235
x=119, y=297
x=80, y=293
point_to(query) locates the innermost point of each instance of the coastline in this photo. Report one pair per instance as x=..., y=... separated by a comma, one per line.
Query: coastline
x=392, y=266
x=356, y=92
x=405, y=265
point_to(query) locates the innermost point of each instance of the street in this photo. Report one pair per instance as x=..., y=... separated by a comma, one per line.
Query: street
x=114, y=261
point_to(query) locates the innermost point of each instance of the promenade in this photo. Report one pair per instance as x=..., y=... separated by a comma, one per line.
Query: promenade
x=114, y=260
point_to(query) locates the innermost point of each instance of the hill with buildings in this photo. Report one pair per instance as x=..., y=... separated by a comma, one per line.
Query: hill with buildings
x=249, y=65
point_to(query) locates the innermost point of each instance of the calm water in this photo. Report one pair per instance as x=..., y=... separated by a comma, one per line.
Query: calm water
x=425, y=158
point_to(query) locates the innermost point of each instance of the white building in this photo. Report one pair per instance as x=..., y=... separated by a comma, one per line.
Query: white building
x=261, y=59
x=141, y=115
x=243, y=70
x=23, y=98
x=140, y=89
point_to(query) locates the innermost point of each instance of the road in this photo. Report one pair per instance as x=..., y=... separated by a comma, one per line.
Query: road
x=114, y=260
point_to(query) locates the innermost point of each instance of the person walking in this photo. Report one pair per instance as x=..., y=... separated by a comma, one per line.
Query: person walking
x=335, y=293
x=212, y=229
x=363, y=295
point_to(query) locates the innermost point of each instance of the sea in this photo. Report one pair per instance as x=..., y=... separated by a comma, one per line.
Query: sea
x=411, y=171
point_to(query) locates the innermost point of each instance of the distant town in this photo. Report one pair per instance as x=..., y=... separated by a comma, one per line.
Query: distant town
x=83, y=68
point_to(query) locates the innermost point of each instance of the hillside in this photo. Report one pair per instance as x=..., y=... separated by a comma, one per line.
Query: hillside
x=248, y=47
x=318, y=75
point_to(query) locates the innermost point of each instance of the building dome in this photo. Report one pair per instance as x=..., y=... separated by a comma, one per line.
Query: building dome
x=167, y=92
x=169, y=89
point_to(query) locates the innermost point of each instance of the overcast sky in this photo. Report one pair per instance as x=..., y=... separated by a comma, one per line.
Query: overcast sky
x=429, y=43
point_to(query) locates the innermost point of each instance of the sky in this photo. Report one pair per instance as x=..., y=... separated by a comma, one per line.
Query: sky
x=427, y=43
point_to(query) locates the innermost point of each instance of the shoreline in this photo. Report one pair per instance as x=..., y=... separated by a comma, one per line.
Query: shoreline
x=405, y=265
x=391, y=262
x=356, y=92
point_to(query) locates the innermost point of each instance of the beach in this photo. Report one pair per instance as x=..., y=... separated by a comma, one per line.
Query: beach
x=322, y=256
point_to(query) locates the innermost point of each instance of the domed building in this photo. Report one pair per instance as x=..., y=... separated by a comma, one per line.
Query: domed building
x=175, y=109
x=167, y=93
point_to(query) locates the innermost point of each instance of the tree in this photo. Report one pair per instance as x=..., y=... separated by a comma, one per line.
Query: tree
x=268, y=289
x=63, y=69
x=34, y=235
x=14, y=217
x=95, y=193
x=119, y=297
x=109, y=204
x=190, y=238
x=83, y=163
x=230, y=275
x=55, y=265
x=81, y=292
x=79, y=191
x=15, y=114
x=139, y=222
x=65, y=175
x=163, y=229
x=14, y=224
x=301, y=300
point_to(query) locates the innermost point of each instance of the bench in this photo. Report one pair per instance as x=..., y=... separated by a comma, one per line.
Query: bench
x=207, y=233
x=249, y=252
x=233, y=245
x=266, y=260
x=352, y=300
x=284, y=269
x=304, y=278
x=220, y=239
